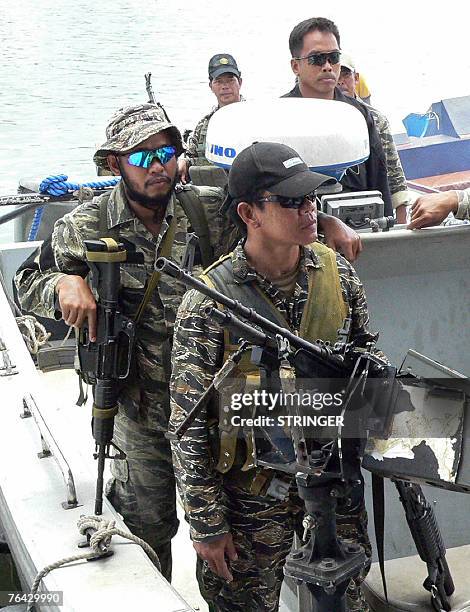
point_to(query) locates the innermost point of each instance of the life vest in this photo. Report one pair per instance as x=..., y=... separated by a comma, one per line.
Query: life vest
x=323, y=315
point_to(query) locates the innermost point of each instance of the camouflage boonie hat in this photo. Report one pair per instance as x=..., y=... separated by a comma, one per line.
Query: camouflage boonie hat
x=131, y=125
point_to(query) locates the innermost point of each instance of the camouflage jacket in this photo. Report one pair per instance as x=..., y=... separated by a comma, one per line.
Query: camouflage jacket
x=196, y=146
x=147, y=393
x=396, y=177
x=463, y=210
x=197, y=356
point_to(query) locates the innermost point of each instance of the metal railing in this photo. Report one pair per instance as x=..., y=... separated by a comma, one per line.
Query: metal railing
x=50, y=447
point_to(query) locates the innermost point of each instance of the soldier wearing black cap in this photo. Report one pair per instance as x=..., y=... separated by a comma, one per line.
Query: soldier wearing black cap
x=225, y=81
x=242, y=517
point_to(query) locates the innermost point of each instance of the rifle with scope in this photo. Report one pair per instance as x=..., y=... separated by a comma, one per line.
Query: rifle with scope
x=325, y=563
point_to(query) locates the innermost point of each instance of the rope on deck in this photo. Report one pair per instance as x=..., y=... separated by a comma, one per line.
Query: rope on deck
x=99, y=543
x=34, y=333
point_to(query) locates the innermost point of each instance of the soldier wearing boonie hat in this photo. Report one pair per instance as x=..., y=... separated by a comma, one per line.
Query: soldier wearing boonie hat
x=141, y=145
x=130, y=126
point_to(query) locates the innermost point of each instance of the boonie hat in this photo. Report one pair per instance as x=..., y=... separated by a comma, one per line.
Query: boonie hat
x=131, y=125
x=222, y=63
x=274, y=167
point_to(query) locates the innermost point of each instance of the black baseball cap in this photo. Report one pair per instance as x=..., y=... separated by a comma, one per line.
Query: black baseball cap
x=274, y=167
x=222, y=63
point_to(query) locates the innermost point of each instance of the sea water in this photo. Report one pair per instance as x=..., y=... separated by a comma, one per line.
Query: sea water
x=68, y=64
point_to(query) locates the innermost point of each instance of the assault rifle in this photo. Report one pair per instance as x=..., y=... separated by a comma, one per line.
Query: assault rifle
x=106, y=361
x=423, y=526
x=325, y=563
x=151, y=95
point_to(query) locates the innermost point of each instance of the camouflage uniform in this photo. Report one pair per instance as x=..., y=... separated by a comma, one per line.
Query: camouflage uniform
x=196, y=146
x=262, y=527
x=143, y=486
x=463, y=210
x=142, y=489
x=396, y=177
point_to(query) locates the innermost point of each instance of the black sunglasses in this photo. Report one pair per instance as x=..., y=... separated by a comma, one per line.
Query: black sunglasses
x=286, y=202
x=320, y=59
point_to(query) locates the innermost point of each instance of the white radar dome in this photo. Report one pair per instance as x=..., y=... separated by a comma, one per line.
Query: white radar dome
x=329, y=135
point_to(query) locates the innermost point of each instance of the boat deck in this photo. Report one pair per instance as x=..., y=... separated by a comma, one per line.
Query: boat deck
x=446, y=182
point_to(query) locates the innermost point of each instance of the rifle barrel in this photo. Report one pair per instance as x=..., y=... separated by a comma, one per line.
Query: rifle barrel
x=229, y=320
x=322, y=353
x=99, y=480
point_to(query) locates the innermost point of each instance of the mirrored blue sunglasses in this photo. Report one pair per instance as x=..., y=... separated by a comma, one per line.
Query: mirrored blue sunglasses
x=144, y=159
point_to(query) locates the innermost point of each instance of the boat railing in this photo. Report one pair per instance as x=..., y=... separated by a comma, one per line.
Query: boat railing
x=50, y=447
x=7, y=368
x=421, y=188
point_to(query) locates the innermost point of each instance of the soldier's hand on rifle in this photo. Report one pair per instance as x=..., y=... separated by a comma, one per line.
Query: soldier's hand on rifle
x=77, y=302
x=339, y=236
x=183, y=169
x=215, y=551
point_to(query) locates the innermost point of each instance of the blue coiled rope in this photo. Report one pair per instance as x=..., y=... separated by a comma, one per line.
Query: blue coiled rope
x=58, y=185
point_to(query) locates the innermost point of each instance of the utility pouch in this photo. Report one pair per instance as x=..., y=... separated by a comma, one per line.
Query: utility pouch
x=228, y=431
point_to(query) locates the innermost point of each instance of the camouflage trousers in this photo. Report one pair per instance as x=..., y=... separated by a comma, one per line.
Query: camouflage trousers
x=263, y=531
x=142, y=489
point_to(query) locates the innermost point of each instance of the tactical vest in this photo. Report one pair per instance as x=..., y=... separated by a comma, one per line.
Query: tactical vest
x=196, y=201
x=323, y=315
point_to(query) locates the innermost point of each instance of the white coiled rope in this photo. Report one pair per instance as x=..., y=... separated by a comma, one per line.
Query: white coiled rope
x=99, y=544
x=34, y=333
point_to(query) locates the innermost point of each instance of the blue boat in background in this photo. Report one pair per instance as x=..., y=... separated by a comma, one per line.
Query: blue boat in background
x=435, y=149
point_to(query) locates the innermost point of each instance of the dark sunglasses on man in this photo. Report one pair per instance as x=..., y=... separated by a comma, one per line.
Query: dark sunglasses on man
x=285, y=202
x=320, y=59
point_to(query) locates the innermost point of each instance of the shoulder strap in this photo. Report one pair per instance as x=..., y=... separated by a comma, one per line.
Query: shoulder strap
x=104, y=231
x=152, y=283
x=167, y=244
x=214, y=264
x=206, y=279
x=194, y=210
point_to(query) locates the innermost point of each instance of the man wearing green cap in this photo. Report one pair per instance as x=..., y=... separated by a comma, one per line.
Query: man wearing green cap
x=225, y=81
x=242, y=517
x=143, y=213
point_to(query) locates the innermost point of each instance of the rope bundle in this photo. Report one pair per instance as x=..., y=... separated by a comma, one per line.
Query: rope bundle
x=34, y=333
x=99, y=543
x=58, y=185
